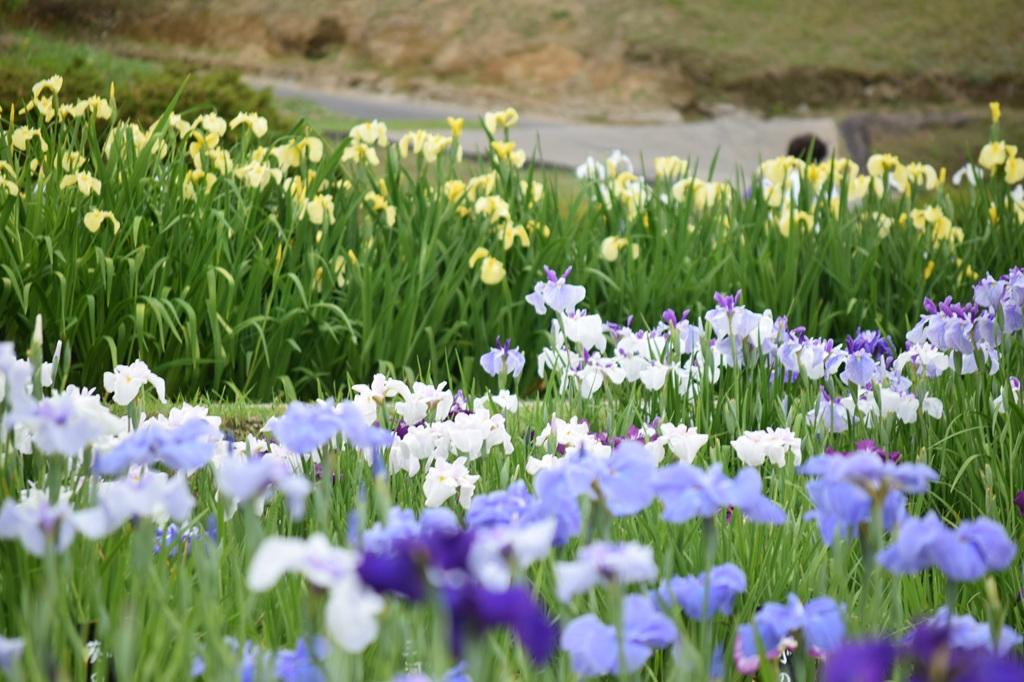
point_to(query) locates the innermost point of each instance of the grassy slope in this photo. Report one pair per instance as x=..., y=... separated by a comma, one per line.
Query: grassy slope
x=869, y=37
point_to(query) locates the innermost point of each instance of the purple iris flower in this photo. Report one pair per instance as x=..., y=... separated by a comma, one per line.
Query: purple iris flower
x=182, y=448
x=626, y=479
x=508, y=507
x=864, y=661
x=688, y=492
x=304, y=663
x=830, y=413
x=559, y=498
x=872, y=342
x=1018, y=500
x=964, y=554
x=702, y=596
x=459, y=406
x=402, y=569
x=967, y=633
x=305, y=427
x=476, y=609
x=553, y=292
x=948, y=326
x=867, y=470
x=860, y=369
x=502, y=359
x=727, y=302
x=402, y=525
x=153, y=495
x=624, y=482
x=1005, y=294
x=671, y=319
x=593, y=647
x=935, y=650
x=247, y=478
x=728, y=319
x=848, y=488
x=988, y=292
x=820, y=621
x=842, y=508
x=438, y=559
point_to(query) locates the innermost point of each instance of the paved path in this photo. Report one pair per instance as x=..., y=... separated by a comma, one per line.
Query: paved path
x=736, y=142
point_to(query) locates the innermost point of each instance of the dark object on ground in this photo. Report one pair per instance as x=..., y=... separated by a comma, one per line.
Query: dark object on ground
x=808, y=147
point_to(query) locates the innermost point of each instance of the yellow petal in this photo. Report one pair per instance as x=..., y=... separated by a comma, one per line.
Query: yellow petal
x=492, y=271
x=477, y=255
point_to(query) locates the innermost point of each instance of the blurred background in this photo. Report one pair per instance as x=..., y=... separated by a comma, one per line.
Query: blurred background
x=737, y=79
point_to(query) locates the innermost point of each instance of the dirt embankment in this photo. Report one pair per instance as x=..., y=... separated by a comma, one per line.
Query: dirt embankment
x=563, y=56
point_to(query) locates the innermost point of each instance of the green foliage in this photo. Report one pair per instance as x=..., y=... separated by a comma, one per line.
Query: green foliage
x=231, y=288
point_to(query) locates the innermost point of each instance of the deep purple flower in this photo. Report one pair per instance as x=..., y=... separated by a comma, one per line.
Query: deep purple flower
x=864, y=661
x=937, y=657
x=704, y=595
x=937, y=650
x=406, y=567
x=437, y=559
x=869, y=445
x=671, y=319
x=475, y=609
x=1018, y=500
x=872, y=342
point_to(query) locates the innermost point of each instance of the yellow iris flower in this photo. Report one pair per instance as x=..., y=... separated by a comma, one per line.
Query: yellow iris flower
x=455, y=124
x=319, y=210
x=513, y=232
x=83, y=181
x=994, y=154
x=95, y=218
x=23, y=135
x=251, y=120
x=371, y=133
x=504, y=119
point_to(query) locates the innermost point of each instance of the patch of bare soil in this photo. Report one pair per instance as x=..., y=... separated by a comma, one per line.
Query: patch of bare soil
x=547, y=51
